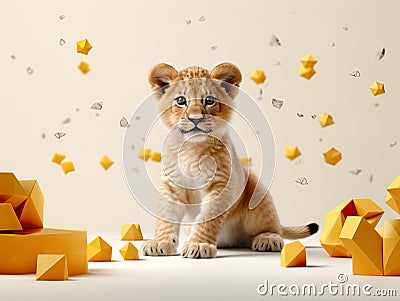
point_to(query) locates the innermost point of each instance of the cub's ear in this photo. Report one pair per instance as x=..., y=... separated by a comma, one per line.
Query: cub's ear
x=228, y=73
x=160, y=78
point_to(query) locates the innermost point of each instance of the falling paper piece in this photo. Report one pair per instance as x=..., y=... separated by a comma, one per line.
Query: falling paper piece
x=371, y=178
x=277, y=103
x=97, y=106
x=83, y=47
x=300, y=115
x=202, y=18
x=97, y=114
x=274, y=41
x=320, y=139
x=188, y=22
x=43, y=135
x=277, y=63
x=12, y=56
x=68, y=167
x=29, y=70
x=345, y=28
x=61, y=17
x=137, y=117
x=213, y=48
x=332, y=156
x=106, y=162
x=135, y=169
x=302, y=181
x=124, y=123
x=355, y=73
x=59, y=135
x=381, y=53
x=333, y=44
x=258, y=76
x=66, y=120
x=61, y=42
x=260, y=93
x=313, y=116
x=393, y=143
x=77, y=110
x=377, y=88
x=355, y=171
x=298, y=161
x=84, y=67
x=376, y=104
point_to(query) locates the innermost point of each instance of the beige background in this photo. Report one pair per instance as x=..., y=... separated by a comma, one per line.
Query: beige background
x=129, y=37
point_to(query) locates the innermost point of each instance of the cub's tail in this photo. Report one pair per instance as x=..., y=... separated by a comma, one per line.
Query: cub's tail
x=300, y=231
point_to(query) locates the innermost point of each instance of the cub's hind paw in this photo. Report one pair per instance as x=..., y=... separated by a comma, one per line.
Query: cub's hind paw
x=265, y=242
x=199, y=250
x=158, y=248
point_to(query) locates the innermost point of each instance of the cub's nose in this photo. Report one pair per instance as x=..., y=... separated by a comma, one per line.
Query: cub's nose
x=196, y=118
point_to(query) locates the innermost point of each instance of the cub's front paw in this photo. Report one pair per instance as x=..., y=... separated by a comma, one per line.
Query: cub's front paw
x=158, y=248
x=199, y=250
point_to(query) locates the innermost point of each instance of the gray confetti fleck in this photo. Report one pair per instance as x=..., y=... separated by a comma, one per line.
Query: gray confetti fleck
x=277, y=63
x=300, y=115
x=302, y=181
x=260, y=93
x=137, y=117
x=132, y=146
x=43, y=135
x=213, y=48
x=371, y=178
x=61, y=17
x=135, y=169
x=333, y=44
x=345, y=28
x=59, y=135
x=97, y=106
x=77, y=110
x=381, y=53
x=12, y=56
x=97, y=114
x=61, y=42
x=124, y=123
x=376, y=104
x=277, y=103
x=355, y=172
x=320, y=139
x=188, y=22
x=393, y=143
x=202, y=18
x=313, y=116
x=298, y=161
x=355, y=73
x=66, y=120
x=274, y=41
x=29, y=70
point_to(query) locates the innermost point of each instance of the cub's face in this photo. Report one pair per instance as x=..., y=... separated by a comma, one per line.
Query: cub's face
x=195, y=102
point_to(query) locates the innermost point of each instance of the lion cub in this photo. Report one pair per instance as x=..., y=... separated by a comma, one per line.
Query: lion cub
x=202, y=174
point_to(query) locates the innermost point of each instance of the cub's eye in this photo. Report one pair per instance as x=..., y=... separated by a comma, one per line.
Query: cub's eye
x=210, y=101
x=181, y=101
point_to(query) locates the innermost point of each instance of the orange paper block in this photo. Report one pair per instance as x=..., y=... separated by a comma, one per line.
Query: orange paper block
x=131, y=232
x=68, y=167
x=292, y=152
x=11, y=190
x=84, y=67
x=129, y=252
x=83, y=46
x=334, y=220
x=307, y=73
x=393, y=197
x=332, y=156
x=293, y=255
x=309, y=61
x=31, y=212
x=325, y=120
x=156, y=156
x=258, y=76
x=51, y=267
x=106, y=162
x=8, y=219
x=18, y=252
x=377, y=88
x=58, y=158
x=99, y=250
x=391, y=247
x=364, y=244
x=145, y=154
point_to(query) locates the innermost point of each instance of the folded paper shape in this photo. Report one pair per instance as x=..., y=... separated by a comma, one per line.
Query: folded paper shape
x=129, y=252
x=293, y=255
x=99, y=250
x=52, y=267
x=391, y=247
x=131, y=232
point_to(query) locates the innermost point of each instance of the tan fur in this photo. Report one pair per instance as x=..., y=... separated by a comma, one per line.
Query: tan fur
x=237, y=225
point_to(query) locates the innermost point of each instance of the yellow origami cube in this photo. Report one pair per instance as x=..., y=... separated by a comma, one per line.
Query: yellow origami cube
x=246, y=161
x=332, y=156
x=258, y=76
x=145, y=154
x=307, y=73
x=99, y=250
x=106, y=162
x=393, y=197
x=293, y=255
x=377, y=88
x=129, y=252
x=68, y=167
x=84, y=67
x=308, y=61
x=8, y=219
x=156, y=156
x=52, y=267
x=11, y=190
x=391, y=247
x=334, y=220
x=58, y=158
x=292, y=152
x=131, y=232
x=325, y=120
x=364, y=244
x=83, y=46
